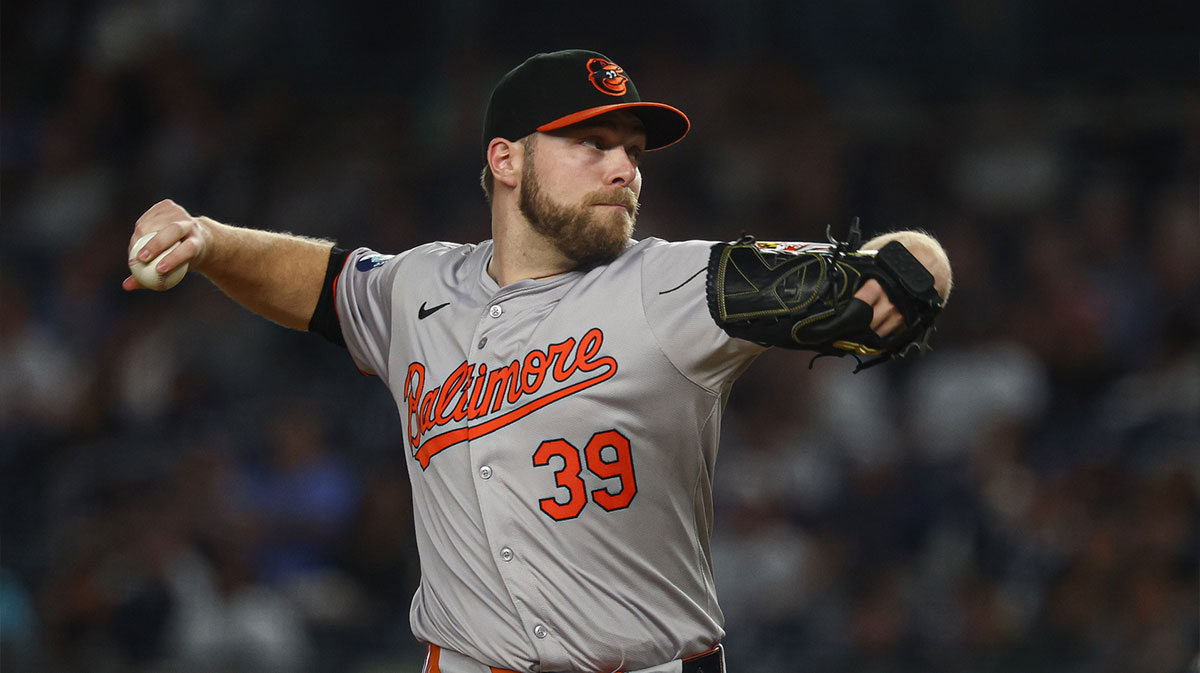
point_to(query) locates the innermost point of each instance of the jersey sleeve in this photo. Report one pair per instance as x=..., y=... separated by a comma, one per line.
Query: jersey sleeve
x=673, y=295
x=364, y=295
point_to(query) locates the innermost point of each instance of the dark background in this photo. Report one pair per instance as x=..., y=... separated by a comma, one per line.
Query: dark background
x=188, y=488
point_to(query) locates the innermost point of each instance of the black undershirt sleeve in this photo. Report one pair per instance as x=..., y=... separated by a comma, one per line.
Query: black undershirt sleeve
x=324, y=319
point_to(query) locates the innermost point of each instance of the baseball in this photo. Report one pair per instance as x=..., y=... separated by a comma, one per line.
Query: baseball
x=145, y=272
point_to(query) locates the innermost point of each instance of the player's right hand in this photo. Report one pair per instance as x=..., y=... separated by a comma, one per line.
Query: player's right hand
x=886, y=319
x=170, y=223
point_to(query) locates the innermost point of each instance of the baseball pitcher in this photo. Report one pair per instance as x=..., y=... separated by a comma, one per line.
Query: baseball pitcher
x=561, y=384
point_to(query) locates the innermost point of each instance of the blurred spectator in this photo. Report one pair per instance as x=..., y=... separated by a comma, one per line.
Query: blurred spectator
x=18, y=633
x=297, y=504
x=223, y=621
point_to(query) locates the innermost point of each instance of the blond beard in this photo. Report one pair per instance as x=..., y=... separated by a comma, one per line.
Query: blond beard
x=580, y=233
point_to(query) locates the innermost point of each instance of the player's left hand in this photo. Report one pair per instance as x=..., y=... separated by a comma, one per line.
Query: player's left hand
x=878, y=299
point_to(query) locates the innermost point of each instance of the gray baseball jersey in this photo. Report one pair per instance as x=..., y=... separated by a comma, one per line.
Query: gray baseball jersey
x=562, y=435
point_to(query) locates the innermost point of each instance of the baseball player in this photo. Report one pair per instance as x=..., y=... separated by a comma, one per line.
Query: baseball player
x=561, y=384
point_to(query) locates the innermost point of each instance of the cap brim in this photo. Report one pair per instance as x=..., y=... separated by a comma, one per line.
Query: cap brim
x=664, y=124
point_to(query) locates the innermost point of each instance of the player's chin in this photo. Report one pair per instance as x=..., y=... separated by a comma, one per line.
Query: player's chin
x=601, y=243
x=618, y=231
x=619, y=219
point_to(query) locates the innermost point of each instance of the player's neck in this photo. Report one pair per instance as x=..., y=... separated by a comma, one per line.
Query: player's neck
x=519, y=253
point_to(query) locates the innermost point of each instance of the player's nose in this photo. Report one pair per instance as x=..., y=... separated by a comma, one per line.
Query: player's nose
x=621, y=168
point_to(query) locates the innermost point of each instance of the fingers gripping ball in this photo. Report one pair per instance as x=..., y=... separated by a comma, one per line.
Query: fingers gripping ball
x=147, y=273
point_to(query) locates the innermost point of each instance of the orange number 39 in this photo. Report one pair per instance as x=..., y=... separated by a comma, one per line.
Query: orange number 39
x=615, y=464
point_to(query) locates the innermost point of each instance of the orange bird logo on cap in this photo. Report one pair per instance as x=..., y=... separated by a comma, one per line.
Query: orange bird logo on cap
x=607, y=76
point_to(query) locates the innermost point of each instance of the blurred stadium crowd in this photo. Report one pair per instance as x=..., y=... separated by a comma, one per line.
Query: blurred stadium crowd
x=186, y=488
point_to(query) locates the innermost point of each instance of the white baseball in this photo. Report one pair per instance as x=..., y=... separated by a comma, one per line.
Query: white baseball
x=147, y=274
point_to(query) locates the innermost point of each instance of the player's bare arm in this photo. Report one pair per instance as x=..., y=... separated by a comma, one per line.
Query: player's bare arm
x=278, y=276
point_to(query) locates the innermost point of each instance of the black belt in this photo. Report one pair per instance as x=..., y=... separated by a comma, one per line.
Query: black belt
x=709, y=662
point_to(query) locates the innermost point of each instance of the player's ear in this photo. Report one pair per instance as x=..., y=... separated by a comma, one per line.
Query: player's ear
x=505, y=159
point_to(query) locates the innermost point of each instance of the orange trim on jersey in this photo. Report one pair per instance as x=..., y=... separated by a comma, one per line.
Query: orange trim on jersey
x=584, y=115
x=434, y=445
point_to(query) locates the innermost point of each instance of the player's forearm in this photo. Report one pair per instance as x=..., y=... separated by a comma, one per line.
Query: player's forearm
x=278, y=276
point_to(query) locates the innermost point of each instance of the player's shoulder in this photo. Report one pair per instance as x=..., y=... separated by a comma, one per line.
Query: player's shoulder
x=656, y=243
x=447, y=262
x=661, y=263
x=653, y=249
x=436, y=259
x=446, y=249
x=441, y=252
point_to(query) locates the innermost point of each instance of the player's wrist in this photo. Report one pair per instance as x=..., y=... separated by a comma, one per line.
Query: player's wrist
x=212, y=244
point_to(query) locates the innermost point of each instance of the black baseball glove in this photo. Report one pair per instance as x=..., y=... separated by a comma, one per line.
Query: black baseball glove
x=801, y=295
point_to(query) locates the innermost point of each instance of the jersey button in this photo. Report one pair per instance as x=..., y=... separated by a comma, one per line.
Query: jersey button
x=506, y=555
x=540, y=631
x=495, y=311
x=482, y=343
x=485, y=472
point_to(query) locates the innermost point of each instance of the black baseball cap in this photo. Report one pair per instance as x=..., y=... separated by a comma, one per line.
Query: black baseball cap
x=554, y=90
